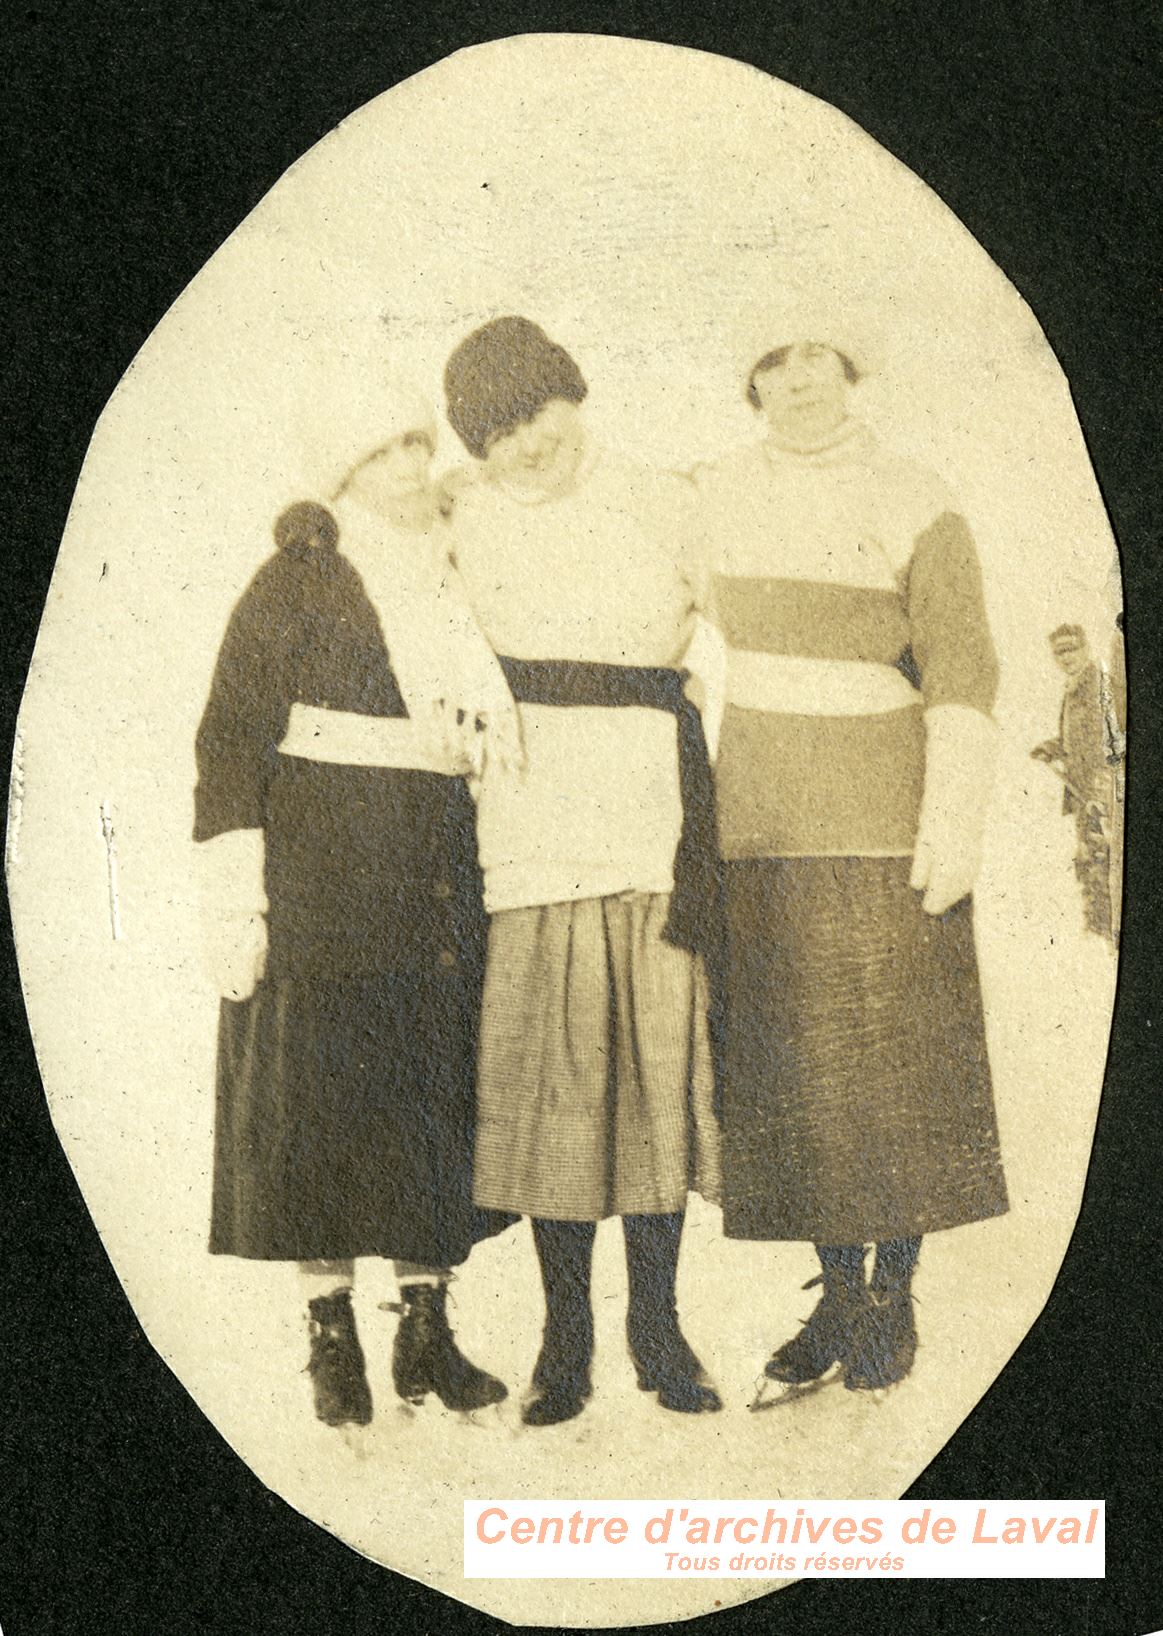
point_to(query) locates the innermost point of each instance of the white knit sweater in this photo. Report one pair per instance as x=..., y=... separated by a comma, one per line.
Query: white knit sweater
x=605, y=573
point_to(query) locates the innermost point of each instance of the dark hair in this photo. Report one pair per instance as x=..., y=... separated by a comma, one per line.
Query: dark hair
x=1074, y=633
x=778, y=357
x=297, y=528
x=501, y=376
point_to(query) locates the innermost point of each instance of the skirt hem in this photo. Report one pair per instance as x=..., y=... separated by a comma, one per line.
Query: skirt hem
x=878, y=1233
x=612, y=1212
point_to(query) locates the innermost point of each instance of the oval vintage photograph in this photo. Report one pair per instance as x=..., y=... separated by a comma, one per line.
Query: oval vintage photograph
x=566, y=825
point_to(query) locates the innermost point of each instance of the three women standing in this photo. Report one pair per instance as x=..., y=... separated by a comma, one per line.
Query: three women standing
x=852, y=776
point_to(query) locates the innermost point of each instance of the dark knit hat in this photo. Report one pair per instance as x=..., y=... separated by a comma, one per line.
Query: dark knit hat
x=1068, y=636
x=502, y=375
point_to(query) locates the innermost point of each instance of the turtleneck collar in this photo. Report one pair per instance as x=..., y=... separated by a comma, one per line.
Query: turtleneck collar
x=591, y=457
x=850, y=440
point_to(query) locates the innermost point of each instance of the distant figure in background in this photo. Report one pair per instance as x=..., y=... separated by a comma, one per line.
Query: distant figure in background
x=1088, y=756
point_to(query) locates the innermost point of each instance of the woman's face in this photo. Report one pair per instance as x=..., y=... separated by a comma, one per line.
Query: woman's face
x=541, y=455
x=1072, y=656
x=805, y=396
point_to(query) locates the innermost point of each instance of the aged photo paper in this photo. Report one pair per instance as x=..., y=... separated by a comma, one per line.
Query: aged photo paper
x=583, y=680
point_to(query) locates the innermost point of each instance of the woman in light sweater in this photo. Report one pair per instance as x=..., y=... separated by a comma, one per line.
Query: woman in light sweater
x=853, y=771
x=595, y=1092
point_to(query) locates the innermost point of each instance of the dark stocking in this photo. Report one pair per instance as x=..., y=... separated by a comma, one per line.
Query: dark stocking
x=843, y=1267
x=662, y=1357
x=561, y=1379
x=895, y=1260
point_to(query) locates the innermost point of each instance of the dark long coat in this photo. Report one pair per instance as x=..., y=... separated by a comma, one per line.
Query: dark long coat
x=345, y=1090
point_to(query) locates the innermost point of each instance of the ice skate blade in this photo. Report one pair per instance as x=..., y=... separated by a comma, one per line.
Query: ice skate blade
x=774, y=1394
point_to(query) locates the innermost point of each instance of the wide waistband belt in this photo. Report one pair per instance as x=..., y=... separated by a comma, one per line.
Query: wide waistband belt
x=696, y=908
x=794, y=686
x=348, y=739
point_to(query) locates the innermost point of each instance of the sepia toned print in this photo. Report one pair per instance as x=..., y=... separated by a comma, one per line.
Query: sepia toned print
x=533, y=725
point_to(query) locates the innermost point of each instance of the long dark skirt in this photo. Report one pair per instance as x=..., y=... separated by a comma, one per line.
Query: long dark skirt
x=857, y=1098
x=345, y=1121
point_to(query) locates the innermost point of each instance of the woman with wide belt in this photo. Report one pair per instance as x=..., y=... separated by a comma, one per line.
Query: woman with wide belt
x=337, y=842
x=595, y=1090
x=853, y=769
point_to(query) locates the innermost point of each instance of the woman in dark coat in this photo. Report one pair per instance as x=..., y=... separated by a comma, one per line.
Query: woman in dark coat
x=853, y=770
x=329, y=795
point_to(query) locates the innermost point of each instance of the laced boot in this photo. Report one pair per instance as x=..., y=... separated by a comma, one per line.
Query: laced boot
x=336, y=1365
x=885, y=1344
x=425, y=1357
x=826, y=1338
x=561, y=1378
x=663, y=1359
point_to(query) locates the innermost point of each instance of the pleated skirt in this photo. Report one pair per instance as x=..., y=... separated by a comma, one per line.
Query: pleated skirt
x=345, y=1121
x=596, y=1089
x=857, y=1100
